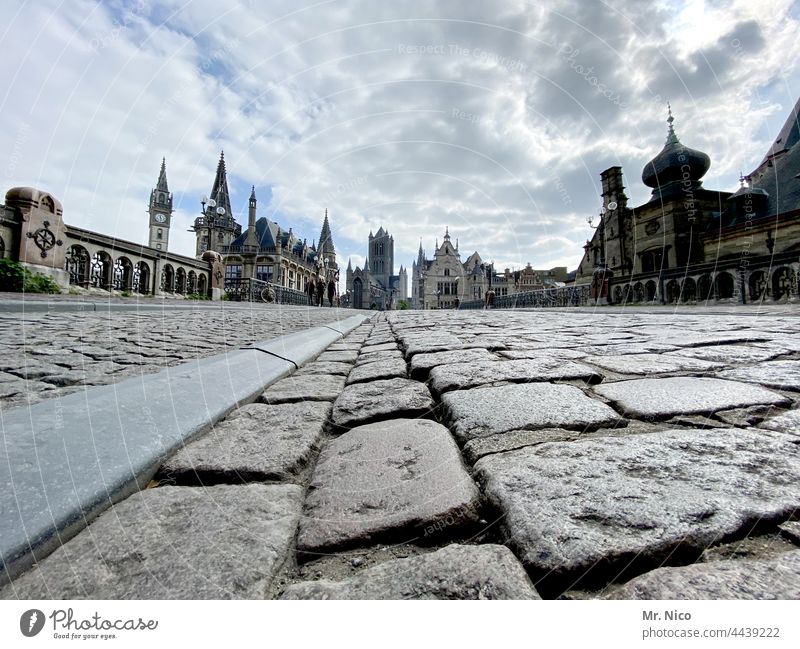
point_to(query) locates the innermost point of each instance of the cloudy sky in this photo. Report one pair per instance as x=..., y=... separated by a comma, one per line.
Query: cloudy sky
x=494, y=118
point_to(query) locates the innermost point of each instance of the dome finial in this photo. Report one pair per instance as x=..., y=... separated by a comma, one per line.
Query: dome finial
x=671, y=137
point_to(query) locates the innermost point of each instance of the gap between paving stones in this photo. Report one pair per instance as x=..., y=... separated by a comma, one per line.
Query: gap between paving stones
x=143, y=420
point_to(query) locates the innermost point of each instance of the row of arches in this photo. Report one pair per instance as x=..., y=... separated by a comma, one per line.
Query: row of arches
x=721, y=286
x=100, y=270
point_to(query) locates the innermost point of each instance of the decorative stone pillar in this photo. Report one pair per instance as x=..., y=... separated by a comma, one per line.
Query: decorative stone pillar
x=217, y=287
x=41, y=232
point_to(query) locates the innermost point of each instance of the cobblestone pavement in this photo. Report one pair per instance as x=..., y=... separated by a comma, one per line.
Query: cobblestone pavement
x=481, y=455
x=43, y=355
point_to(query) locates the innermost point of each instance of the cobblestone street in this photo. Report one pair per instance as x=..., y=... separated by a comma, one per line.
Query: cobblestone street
x=450, y=455
x=43, y=355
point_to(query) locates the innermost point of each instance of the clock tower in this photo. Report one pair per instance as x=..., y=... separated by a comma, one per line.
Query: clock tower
x=160, y=211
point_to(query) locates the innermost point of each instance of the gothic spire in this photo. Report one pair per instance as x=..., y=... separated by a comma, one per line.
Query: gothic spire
x=325, y=238
x=161, y=185
x=219, y=192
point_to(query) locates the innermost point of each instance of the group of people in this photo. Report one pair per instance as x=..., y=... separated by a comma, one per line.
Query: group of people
x=316, y=288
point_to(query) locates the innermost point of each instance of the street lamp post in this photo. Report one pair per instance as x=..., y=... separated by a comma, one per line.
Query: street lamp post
x=210, y=213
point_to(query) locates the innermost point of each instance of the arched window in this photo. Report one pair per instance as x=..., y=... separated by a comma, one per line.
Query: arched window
x=447, y=272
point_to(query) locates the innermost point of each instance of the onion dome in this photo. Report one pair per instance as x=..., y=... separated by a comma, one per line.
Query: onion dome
x=675, y=163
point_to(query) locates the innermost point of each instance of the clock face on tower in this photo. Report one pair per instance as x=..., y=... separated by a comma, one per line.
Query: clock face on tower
x=160, y=218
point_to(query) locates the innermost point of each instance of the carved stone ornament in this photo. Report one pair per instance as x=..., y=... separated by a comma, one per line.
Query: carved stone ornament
x=652, y=227
x=45, y=239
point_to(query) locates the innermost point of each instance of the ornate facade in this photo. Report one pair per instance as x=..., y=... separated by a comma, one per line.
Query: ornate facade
x=444, y=282
x=689, y=243
x=264, y=251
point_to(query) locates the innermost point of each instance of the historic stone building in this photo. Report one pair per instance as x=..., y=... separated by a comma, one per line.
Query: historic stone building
x=688, y=243
x=444, y=282
x=376, y=286
x=264, y=251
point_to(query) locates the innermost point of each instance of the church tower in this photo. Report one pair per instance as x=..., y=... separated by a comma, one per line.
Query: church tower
x=160, y=211
x=217, y=228
x=325, y=247
x=381, y=254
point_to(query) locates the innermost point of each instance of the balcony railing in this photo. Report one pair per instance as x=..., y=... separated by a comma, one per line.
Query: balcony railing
x=247, y=289
x=549, y=297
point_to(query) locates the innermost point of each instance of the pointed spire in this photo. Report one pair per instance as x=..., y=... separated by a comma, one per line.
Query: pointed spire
x=325, y=237
x=219, y=192
x=366, y=265
x=161, y=185
x=349, y=265
x=253, y=193
x=420, y=245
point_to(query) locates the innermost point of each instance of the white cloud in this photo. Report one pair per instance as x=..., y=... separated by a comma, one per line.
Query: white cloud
x=493, y=120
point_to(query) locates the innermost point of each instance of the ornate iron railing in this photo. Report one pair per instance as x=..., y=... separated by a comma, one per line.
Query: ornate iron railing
x=248, y=289
x=549, y=297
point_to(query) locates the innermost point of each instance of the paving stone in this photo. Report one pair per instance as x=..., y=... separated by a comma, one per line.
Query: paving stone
x=479, y=447
x=515, y=354
x=304, y=387
x=257, y=442
x=667, y=397
x=774, y=578
x=651, y=363
x=729, y=354
x=487, y=411
x=460, y=572
x=459, y=376
x=327, y=367
x=338, y=357
x=784, y=375
x=788, y=422
x=220, y=542
x=388, y=480
x=386, y=369
x=421, y=364
x=361, y=403
x=373, y=357
x=744, y=417
x=602, y=503
x=791, y=530
x=389, y=345
x=629, y=348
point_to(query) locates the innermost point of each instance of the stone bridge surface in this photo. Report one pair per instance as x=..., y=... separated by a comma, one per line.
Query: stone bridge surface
x=451, y=455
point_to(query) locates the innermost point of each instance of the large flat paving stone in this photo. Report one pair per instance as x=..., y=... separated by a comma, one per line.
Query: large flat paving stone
x=256, y=443
x=784, y=375
x=422, y=364
x=684, y=395
x=487, y=411
x=603, y=503
x=730, y=354
x=346, y=356
x=387, y=480
x=223, y=542
x=386, y=369
x=788, y=422
x=460, y=376
x=760, y=579
x=304, y=387
x=361, y=403
x=651, y=363
x=458, y=572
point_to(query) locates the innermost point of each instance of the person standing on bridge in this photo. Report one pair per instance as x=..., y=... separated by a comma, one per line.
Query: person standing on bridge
x=311, y=290
x=320, y=291
x=489, y=303
x=331, y=291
